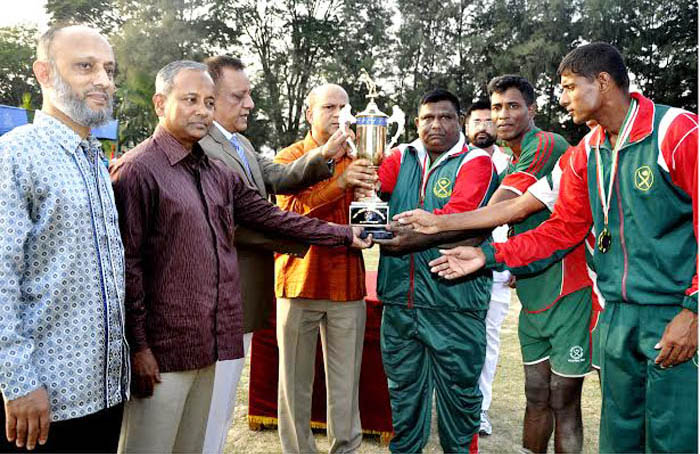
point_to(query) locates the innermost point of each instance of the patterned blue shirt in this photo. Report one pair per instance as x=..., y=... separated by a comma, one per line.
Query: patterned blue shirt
x=61, y=272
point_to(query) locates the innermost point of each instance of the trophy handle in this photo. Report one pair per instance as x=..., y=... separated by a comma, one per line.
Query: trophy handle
x=398, y=117
x=346, y=117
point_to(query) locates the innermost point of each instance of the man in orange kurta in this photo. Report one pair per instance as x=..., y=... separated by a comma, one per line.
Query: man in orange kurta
x=323, y=290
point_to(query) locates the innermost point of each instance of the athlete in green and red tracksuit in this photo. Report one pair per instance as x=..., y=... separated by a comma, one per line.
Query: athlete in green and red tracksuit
x=433, y=334
x=635, y=180
x=553, y=327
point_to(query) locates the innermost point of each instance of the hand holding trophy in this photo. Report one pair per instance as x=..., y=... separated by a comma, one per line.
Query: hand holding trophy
x=371, y=212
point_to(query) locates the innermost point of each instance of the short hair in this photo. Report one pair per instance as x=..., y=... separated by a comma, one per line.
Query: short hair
x=482, y=104
x=45, y=41
x=216, y=65
x=166, y=75
x=438, y=95
x=500, y=84
x=592, y=59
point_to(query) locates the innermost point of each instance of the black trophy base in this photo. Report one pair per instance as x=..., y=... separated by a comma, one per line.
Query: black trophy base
x=373, y=217
x=378, y=233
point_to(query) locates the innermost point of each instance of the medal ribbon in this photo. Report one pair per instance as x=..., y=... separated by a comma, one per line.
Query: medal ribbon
x=626, y=129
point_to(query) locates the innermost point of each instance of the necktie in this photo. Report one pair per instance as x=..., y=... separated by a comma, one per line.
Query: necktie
x=241, y=154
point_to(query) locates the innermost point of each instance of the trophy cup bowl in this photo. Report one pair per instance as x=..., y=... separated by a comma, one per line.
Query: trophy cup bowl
x=371, y=212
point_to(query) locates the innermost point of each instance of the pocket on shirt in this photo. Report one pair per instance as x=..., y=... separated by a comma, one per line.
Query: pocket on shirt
x=226, y=218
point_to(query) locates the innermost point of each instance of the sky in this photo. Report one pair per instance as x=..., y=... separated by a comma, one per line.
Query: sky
x=30, y=12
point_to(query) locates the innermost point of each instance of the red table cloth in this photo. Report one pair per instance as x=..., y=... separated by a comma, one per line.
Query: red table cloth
x=375, y=411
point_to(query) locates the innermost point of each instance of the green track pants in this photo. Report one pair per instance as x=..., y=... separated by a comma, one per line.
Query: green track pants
x=645, y=408
x=425, y=350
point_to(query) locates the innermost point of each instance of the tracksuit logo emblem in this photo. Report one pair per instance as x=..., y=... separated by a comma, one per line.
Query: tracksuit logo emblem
x=442, y=188
x=576, y=354
x=643, y=178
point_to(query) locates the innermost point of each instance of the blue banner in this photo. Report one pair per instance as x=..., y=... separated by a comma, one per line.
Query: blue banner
x=109, y=131
x=11, y=117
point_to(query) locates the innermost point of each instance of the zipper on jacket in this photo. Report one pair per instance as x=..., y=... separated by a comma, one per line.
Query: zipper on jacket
x=425, y=176
x=623, y=283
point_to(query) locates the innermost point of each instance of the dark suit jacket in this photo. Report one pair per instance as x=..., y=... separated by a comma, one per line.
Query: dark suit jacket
x=255, y=249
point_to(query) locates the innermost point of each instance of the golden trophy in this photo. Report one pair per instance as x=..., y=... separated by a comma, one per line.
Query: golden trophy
x=371, y=212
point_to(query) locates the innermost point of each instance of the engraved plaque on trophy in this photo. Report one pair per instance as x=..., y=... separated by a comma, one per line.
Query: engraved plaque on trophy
x=371, y=212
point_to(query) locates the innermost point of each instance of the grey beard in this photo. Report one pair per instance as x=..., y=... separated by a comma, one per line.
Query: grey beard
x=70, y=103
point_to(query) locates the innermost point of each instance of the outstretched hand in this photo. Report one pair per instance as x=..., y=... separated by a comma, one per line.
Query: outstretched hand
x=420, y=220
x=404, y=239
x=458, y=262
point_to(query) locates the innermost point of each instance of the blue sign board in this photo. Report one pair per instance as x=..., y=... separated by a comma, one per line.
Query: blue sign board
x=11, y=117
x=109, y=131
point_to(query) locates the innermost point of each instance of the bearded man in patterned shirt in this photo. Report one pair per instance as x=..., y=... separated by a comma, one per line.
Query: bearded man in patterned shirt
x=65, y=365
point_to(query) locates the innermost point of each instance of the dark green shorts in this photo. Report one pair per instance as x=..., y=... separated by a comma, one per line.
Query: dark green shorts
x=559, y=334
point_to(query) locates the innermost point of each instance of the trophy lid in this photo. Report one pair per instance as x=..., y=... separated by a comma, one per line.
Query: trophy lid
x=372, y=110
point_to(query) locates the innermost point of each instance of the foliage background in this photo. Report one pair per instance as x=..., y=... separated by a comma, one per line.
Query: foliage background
x=409, y=46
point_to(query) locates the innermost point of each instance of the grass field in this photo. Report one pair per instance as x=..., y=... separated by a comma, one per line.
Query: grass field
x=506, y=411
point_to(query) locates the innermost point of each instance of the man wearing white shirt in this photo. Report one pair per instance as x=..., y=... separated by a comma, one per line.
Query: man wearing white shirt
x=482, y=133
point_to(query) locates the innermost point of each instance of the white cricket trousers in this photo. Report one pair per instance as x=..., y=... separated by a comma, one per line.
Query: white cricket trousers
x=498, y=308
x=223, y=400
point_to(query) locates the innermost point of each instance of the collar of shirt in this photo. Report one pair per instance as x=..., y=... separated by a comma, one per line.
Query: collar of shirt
x=174, y=150
x=224, y=131
x=68, y=139
x=642, y=127
x=527, y=138
x=309, y=142
x=422, y=152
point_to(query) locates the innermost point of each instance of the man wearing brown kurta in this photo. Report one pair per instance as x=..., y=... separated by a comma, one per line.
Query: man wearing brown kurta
x=323, y=291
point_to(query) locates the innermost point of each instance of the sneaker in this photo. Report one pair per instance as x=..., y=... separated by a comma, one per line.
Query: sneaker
x=485, y=427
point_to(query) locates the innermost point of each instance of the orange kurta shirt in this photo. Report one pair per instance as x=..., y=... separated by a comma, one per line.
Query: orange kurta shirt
x=332, y=273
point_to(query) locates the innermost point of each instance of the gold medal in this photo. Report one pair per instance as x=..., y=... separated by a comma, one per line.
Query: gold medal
x=604, y=240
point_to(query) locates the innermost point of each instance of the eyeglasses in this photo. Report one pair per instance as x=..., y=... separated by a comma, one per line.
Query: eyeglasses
x=477, y=122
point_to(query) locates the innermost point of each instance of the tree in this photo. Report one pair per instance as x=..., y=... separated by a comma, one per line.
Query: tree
x=408, y=47
x=155, y=33
x=658, y=40
x=290, y=39
x=363, y=41
x=17, y=83
x=101, y=14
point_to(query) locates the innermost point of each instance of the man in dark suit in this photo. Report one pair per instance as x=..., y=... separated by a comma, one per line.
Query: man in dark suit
x=224, y=141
